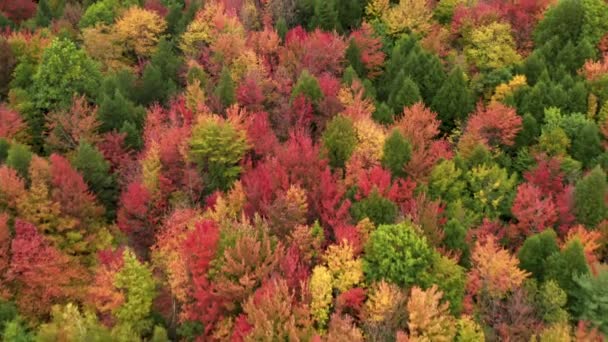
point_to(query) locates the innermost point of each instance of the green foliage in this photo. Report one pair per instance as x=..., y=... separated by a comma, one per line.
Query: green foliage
x=446, y=182
x=339, y=140
x=115, y=110
x=493, y=190
x=564, y=266
x=44, y=14
x=455, y=239
x=4, y=147
x=102, y=12
x=397, y=253
x=64, y=71
x=592, y=299
x=67, y=323
x=586, y=144
x=95, y=171
x=19, y=157
x=378, y=209
x=225, y=88
x=589, y=198
x=137, y=282
x=308, y=86
x=404, y=94
x=8, y=312
x=16, y=331
x=535, y=251
x=551, y=302
x=451, y=280
x=325, y=15
x=217, y=147
x=383, y=114
x=492, y=46
x=353, y=55
x=160, y=77
x=396, y=153
x=453, y=101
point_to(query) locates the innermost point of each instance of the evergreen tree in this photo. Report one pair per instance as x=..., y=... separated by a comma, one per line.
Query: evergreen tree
x=529, y=132
x=95, y=171
x=589, y=198
x=564, y=266
x=339, y=140
x=404, y=94
x=44, y=14
x=325, y=16
x=353, y=55
x=281, y=28
x=115, y=110
x=308, y=86
x=586, y=144
x=19, y=157
x=225, y=89
x=376, y=208
x=4, y=147
x=383, y=114
x=396, y=154
x=535, y=251
x=454, y=101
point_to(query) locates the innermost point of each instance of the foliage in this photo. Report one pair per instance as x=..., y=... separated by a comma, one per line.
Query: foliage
x=396, y=253
x=340, y=140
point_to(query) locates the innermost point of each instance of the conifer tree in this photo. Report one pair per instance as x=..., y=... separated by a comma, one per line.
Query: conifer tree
x=454, y=101
x=396, y=154
x=589, y=198
x=19, y=157
x=404, y=94
x=225, y=90
x=340, y=140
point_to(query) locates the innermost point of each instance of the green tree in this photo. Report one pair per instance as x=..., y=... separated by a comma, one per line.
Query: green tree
x=404, y=94
x=69, y=324
x=592, y=299
x=95, y=171
x=325, y=15
x=451, y=280
x=378, y=209
x=217, y=147
x=308, y=86
x=225, y=89
x=16, y=331
x=535, y=251
x=564, y=266
x=44, y=14
x=64, y=71
x=136, y=281
x=551, y=301
x=102, y=12
x=589, y=198
x=19, y=157
x=492, y=189
x=396, y=153
x=586, y=144
x=339, y=140
x=115, y=110
x=454, y=101
x=397, y=253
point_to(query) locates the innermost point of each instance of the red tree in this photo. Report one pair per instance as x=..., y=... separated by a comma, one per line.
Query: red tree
x=43, y=275
x=371, y=49
x=18, y=10
x=533, y=211
x=10, y=122
x=496, y=124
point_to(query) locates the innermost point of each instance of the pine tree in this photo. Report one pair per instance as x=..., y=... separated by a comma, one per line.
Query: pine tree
x=325, y=16
x=44, y=14
x=19, y=157
x=589, y=198
x=396, y=154
x=340, y=140
x=454, y=101
x=535, y=251
x=404, y=94
x=225, y=90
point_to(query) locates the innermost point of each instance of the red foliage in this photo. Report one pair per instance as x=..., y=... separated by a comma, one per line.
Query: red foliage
x=137, y=216
x=351, y=301
x=42, y=275
x=332, y=207
x=114, y=150
x=260, y=134
x=156, y=6
x=370, y=48
x=496, y=124
x=420, y=126
x=249, y=94
x=378, y=179
x=5, y=245
x=10, y=122
x=18, y=10
x=294, y=269
x=262, y=183
x=71, y=191
x=318, y=52
x=351, y=235
x=241, y=329
x=533, y=211
x=12, y=187
x=199, y=249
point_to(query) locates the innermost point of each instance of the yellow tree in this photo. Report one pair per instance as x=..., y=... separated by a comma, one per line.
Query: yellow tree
x=492, y=46
x=139, y=30
x=408, y=16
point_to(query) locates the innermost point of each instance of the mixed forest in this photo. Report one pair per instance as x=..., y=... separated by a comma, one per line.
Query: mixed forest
x=303, y=170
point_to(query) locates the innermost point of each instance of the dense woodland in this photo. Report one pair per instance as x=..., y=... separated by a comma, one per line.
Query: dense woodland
x=303, y=170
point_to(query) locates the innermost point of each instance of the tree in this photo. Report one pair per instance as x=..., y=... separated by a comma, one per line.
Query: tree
x=19, y=157
x=492, y=189
x=535, y=251
x=591, y=299
x=589, y=198
x=533, y=211
x=96, y=172
x=217, y=146
x=565, y=266
x=136, y=282
x=397, y=152
x=43, y=275
x=405, y=93
x=64, y=71
x=8, y=62
x=67, y=322
x=308, y=86
x=492, y=47
x=225, y=89
x=44, y=14
x=428, y=317
x=497, y=124
x=11, y=124
x=139, y=30
x=398, y=254
x=325, y=15
x=340, y=140
x=408, y=16
x=102, y=12
x=19, y=10
x=376, y=208
x=66, y=129
x=453, y=101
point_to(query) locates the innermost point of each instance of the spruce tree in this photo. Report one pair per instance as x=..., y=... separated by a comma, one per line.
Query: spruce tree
x=454, y=101
x=325, y=16
x=535, y=251
x=339, y=140
x=225, y=89
x=589, y=198
x=404, y=94
x=397, y=152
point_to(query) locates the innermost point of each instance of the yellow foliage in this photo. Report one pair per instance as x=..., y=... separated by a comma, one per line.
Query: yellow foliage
x=559, y=332
x=469, y=330
x=346, y=271
x=496, y=269
x=150, y=166
x=384, y=300
x=504, y=90
x=370, y=136
x=408, y=16
x=139, y=30
x=429, y=319
x=492, y=46
x=376, y=8
x=100, y=42
x=245, y=63
x=320, y=291
x=229, y=207
x=195, y=96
